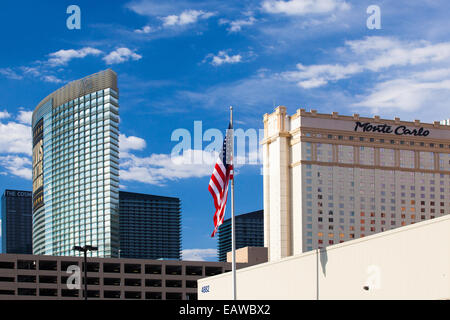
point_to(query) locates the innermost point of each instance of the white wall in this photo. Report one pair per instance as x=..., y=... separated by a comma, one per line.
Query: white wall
x=411, y=262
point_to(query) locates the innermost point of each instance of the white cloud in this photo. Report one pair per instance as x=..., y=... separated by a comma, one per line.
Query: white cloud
x=62, y=57
x=40, y=72
x=51, y=79
x=25, y=117
x=33, y=71
x=15, y=138
x=304, y=7
x=152, y=8
x=370, y=54
x=223, y=58
x=380, y=52
x=121, y=55
x=10, y=74
x=157, y=169
x=131, y=143
x=16, y=165
x=410, y=79
x=198, y=254
x=4, y=114
x=415, y=93
x=319, y=75
x=236, y=25
x=144, y=30
x=15, y=146
x=186, y=17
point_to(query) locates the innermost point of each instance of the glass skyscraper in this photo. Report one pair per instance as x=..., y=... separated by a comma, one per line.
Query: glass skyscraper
x=149, y=226
x=16, y=222
x=249, y=233
x=76, y=168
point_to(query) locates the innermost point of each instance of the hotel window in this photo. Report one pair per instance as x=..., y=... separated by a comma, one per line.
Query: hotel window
x=366, y=155
x=324, y=152
x=345, y=154
x=387, y=157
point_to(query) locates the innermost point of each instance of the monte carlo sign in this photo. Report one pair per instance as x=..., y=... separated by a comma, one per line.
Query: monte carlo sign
x=384, y=128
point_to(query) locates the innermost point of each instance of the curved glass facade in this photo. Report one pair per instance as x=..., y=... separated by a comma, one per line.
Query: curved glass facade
x=76, y=168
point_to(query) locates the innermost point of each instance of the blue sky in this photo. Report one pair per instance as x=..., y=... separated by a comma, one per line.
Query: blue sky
x=184, y=61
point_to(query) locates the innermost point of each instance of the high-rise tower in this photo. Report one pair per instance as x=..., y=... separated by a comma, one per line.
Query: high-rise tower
x=76, y=168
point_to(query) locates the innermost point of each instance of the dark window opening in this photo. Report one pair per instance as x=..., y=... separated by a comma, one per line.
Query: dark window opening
x=173, y=283
x=191, y=284
x=92, y=281
x=111, y=294
x=7, y=279
x=153, y=295
x=66, y=264
x=26, y=264
x=132, y=268
x=69, y=293
x=44, y=292
x=111, y=267
x=6, y=265
x=23, y=278
x=93, y=294
x=153, y=282
x=48, y=265
x=26, y=292
x=93, y=267
x=7, y=292
x=173, y=296
x=194, y=270
x=212, y=271
x=133, y=282
x=132, y=295
x=191, y=296
x=173, y=270
x=152, y=269
x=111, y=281
x=48, y=279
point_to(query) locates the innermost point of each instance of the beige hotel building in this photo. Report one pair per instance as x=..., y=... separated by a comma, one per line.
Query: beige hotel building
x=330, y=178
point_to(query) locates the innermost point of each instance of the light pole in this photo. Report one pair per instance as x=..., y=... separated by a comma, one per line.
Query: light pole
x=85, y=249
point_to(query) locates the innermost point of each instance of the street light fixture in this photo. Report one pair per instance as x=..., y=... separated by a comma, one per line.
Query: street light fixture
x=85, y=249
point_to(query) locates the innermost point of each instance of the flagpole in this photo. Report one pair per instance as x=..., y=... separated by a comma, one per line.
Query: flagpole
x=233, y=236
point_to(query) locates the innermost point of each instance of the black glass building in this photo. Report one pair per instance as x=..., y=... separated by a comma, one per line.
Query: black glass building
x=16, y=222
x=149, y=226
x=249, y=233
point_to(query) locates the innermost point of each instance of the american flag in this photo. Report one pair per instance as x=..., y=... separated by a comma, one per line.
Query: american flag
x=222, y=174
